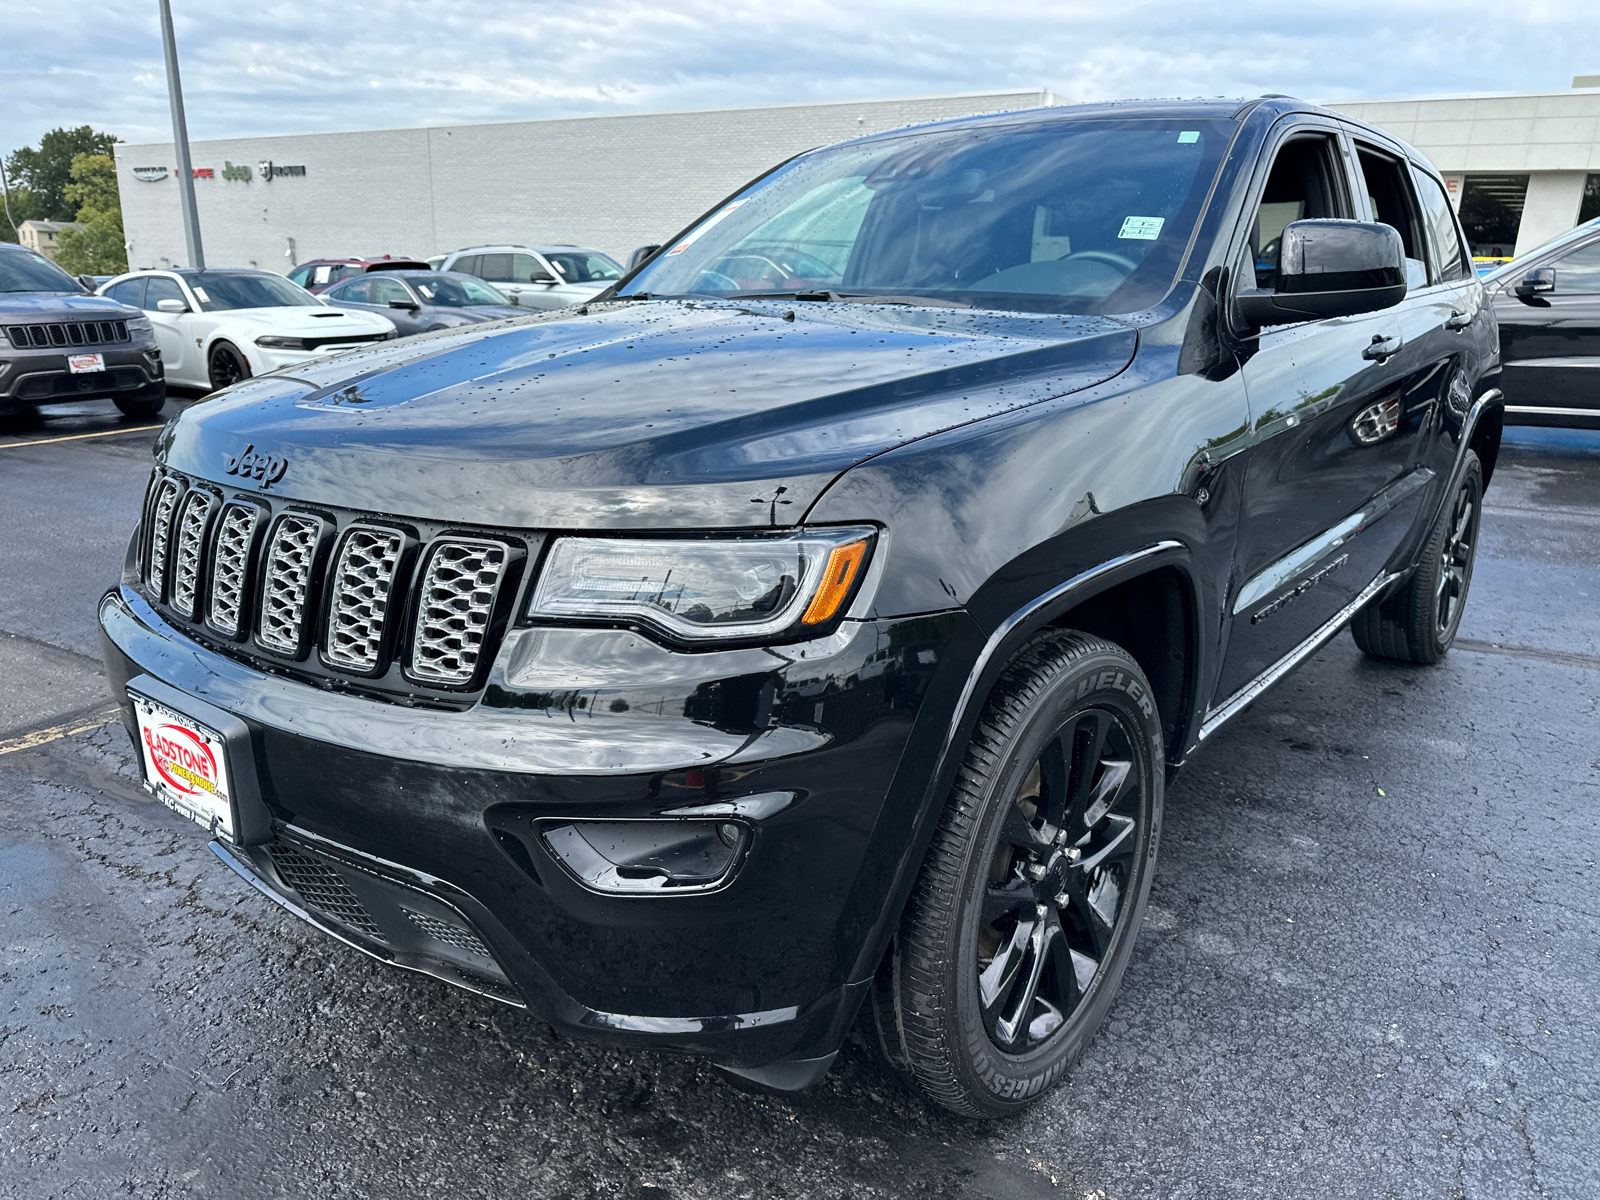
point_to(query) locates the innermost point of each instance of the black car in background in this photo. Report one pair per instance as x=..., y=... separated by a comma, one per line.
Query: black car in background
x=61, y=345
x=809, y=626
x=1548, y=305
x=424, y=301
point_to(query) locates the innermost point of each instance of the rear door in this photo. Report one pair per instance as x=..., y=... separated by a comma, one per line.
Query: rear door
x=384, y=292
x=1550, y=342
x=1338, y=410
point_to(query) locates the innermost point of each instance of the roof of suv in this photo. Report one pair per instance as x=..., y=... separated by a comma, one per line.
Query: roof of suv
x=543, y=248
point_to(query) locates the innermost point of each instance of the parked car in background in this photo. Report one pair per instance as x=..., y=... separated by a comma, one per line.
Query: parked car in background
x=435, y=261
x=1548, y=305
x=60, y=345
x=539, y=276
x=216, y=327
x=639, y=254
x=423, y=301
x=705, y=665
x=322, y=273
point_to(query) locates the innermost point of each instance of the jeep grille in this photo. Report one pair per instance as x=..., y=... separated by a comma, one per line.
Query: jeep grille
x=66, y=333
x=192, y=526
x=291, y=553
x=230, y=566
x=360, y=597
x=458, y=590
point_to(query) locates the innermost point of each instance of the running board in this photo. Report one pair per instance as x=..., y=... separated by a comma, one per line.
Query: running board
x=1217, y=717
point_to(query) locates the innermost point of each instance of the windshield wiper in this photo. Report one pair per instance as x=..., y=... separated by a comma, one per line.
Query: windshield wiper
x=832, y=297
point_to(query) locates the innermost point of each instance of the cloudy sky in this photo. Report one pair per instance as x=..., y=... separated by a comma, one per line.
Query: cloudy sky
x=292, y=66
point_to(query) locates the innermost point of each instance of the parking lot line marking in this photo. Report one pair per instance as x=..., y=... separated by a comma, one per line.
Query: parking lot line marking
x=1565, y=658
x=55, y=733
x=74, y=437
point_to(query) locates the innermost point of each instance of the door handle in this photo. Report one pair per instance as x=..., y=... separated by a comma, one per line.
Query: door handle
x=1457, y=321
x=1381, y=348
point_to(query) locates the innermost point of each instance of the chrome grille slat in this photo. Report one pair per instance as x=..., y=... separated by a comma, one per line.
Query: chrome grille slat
x=290, y=554
x=359, y=596
x=165, y=505
x=231, y=565
x=453, y=609
x=190, y=555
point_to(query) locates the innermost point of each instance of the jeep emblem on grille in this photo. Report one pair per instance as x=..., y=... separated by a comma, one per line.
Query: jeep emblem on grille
x=268, y=468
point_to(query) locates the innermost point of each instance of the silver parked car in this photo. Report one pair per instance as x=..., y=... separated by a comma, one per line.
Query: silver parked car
x=422, y=301
x=539, y=276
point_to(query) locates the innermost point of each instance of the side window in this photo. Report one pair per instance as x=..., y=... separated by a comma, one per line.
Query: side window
x=1389, y=195
x=158, y=288
x=496, y=268
x=525, y=268
x=1450, y=261
x=357, y=291
x=1578, y=271
x=1304, y=183
x=129, y=291
x=384, y=290
x=468, y=264
x=299, y=276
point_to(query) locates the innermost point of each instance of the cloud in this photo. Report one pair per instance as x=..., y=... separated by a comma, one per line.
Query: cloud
x=292, y=66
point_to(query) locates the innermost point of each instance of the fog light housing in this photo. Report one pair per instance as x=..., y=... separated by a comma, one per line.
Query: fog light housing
x=634, y=858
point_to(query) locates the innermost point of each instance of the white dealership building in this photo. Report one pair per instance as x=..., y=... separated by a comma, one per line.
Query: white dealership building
x=1520, y=168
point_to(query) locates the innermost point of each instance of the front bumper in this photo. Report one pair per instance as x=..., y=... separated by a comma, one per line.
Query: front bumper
x=439, y=813
x=265, y=359
x=31, y=377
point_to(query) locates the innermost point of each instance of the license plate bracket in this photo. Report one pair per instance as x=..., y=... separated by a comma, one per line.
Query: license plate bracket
x=198, y=760
x=83, y=364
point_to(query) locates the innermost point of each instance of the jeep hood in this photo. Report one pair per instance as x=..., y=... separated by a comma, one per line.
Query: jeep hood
x=637, y=414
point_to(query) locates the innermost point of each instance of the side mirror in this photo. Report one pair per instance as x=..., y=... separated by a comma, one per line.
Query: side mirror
x=640, y=254
x=87, y=283
x=406, y=304
x=543, y=279
x=171, y=306
x=1331, y=268
x=1540, y=279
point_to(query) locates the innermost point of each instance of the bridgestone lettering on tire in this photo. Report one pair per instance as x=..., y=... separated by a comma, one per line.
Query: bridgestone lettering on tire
x=1024, y=917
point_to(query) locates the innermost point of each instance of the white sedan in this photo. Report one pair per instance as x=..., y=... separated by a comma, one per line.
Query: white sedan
x=217, y=327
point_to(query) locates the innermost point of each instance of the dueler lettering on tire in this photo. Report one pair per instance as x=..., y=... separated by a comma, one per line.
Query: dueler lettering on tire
x=1024, y=916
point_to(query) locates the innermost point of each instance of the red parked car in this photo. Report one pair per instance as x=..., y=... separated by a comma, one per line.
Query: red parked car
x=322, y=273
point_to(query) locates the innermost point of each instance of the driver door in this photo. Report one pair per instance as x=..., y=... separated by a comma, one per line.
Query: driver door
x=174, y=331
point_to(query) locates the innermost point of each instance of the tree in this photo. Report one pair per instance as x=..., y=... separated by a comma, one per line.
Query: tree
x=99, y=247
x=46, y=171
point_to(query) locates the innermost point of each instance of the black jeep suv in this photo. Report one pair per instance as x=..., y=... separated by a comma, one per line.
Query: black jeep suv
x=60, y=345
x=807, y=628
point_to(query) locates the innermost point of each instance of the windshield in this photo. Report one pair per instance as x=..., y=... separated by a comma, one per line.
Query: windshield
x=25, y=271
x=219, y=291
x=1057, y=216
x=583, y=266
x=455, y=291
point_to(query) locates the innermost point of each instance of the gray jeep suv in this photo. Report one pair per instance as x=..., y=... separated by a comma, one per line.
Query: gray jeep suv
x=59, y=344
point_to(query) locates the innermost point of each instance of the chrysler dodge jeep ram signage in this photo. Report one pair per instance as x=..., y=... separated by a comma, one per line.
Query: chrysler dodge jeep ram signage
x=269, y=170
x=150, y=174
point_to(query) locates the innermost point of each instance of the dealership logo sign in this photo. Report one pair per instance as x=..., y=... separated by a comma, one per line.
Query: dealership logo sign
x=269, y=170
x=241, y=172
x=150, y=174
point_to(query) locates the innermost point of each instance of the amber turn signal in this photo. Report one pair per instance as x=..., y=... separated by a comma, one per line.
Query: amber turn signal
x=843, y=565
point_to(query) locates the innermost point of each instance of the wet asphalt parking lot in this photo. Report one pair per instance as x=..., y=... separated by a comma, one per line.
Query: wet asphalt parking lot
x=1369, y=966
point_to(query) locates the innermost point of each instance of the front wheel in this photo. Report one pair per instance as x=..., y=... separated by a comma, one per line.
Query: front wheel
x=142, y=408
x=1418, y=623
x=1024, y=917
x=226, y=366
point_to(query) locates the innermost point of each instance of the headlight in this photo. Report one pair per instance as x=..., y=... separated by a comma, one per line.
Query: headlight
x=138, y=324
x=721, y=588
x=273, y=342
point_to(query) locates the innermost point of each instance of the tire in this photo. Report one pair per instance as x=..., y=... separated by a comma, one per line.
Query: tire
x=1053, y=820
x=1418, y=623
x=143, y=407
x=225, y=366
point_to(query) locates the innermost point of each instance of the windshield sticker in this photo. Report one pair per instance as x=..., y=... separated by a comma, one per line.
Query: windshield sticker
x=200, y=292
x=1144, y=229
x=1188, y=137
x=703, y=229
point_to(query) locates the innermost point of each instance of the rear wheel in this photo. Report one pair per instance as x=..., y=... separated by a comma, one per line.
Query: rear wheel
x=226, y=366
x=1418, y=623
x=141, y=407
x=1024, y=918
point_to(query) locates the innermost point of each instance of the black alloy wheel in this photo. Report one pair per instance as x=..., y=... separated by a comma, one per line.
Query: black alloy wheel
x=1418, y=623
x=226, y=366
x=1025, y=915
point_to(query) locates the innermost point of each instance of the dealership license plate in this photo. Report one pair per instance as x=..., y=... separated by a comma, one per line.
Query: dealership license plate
x=185, y=765
x=82, y=364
